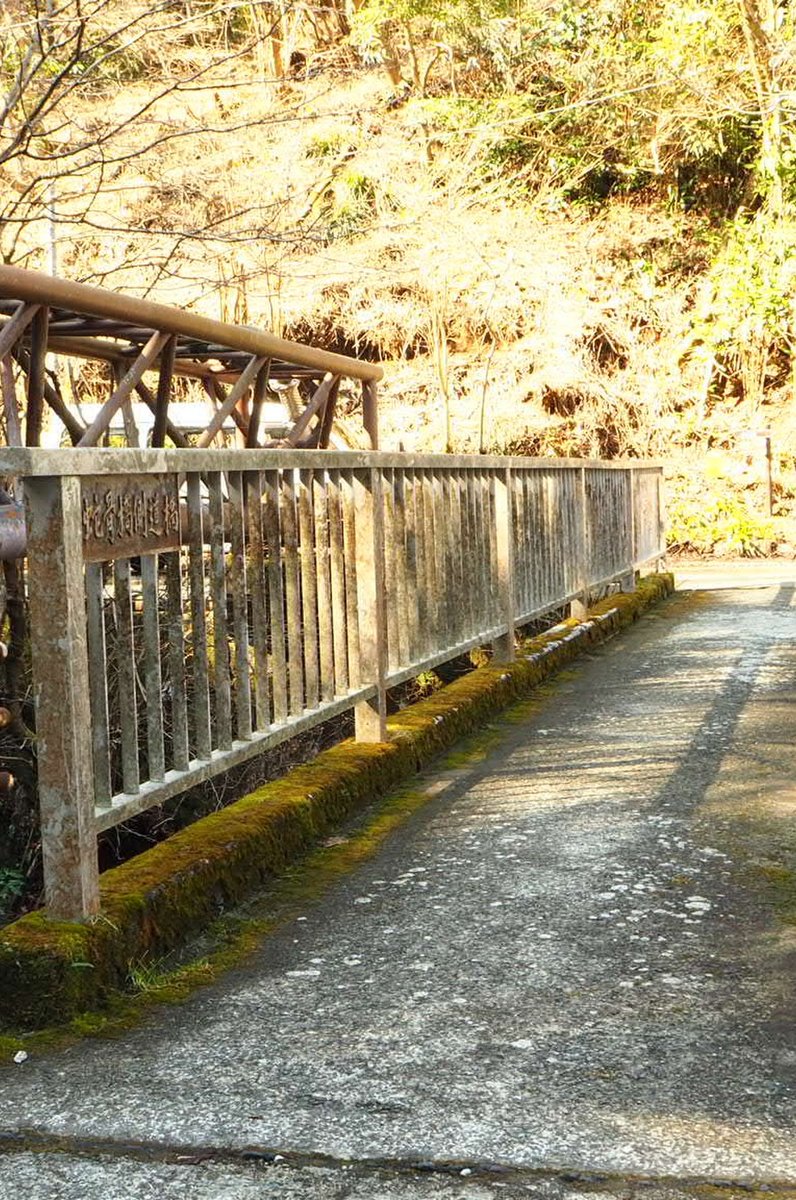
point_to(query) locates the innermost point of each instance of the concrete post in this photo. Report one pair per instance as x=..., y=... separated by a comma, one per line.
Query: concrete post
x=628, y=580
x=370, y=716
x=61, y=690
x=503, y=648
x=579, y=607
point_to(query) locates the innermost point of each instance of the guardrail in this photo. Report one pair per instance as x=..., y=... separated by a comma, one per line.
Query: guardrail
x=191, y=609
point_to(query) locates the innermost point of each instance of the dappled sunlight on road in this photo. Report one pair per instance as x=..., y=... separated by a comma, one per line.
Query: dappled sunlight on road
x=569, y=958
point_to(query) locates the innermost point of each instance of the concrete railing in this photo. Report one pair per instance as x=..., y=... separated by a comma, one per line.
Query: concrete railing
x=190, y=609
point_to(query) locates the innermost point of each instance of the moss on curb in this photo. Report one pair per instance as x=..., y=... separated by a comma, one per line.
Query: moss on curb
x=50, y=971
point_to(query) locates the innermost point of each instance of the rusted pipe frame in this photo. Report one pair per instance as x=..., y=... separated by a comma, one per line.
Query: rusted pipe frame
x=258, y=399
x=370, y=412
x=163, y=395
x=241, y=415
x=104, y=335
x=106, y=351
x=15, y=326
x=75, y=327
x=99, y=351
x=38, y=355
x=316, y=403
x=52, y=395
x=123, y=391
x=327, y=421
x=106, y=345
x=217, y=395
x=239, y=389
x=13, y=427
x=311, y=439
x=17, y=630
x=34, y=288
x=176, y=435
x=131, y=434
x=13, y=531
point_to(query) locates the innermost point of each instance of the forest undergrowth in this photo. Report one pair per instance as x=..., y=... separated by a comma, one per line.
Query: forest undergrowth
x=565, y=229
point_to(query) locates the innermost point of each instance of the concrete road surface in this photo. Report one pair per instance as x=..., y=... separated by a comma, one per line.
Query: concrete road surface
x=568, y=975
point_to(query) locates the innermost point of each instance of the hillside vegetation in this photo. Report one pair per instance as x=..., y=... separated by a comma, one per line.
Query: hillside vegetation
x=565, y=227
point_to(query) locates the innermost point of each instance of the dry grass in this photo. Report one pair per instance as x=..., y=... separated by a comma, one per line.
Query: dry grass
x=565, y=330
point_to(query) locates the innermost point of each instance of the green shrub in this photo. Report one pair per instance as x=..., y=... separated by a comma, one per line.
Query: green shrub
x=326, y=145
x=12, y=885
x=724, y=524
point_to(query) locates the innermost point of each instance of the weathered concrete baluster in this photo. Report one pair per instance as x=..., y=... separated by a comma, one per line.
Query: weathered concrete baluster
x=399, y=584
x=295, y=647
x=532, y=538
x=218, y=593
x=350, y=563
x=61, y=689
x=460, y=544
x=522, y=533
x=481, y=548
x=440, y=576
x=580, y=605
x=256, y=582
x=466, y=558
x=176, y=657
x=661, y=494
x=426, y=483
x=98, y=684
x=491, y=548
x=309, y=589
x=412, y=594
x=153, y=675
x=240, y=607
x=503, y=647
x=337, y=564
x=320, y=520
x=202, y=739
x=371, y=715
x=272, y=535
x=124, y=659
x=472, y=565
x=572, y=581
x=628, y=581
x=423, y=646
x=391, y=571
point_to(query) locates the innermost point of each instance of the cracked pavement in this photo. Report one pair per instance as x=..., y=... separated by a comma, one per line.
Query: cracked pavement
x=562, y=977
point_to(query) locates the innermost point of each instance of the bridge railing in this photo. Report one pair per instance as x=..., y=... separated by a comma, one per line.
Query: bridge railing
x=190, y=609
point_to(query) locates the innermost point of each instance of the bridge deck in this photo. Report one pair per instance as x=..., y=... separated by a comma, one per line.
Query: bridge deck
x=568, y=960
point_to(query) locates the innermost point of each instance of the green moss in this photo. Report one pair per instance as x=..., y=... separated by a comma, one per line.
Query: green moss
x=780, y=884
x=231, y=938
x=156, y=903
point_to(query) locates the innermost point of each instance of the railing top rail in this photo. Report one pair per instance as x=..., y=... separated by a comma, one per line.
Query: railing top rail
x=16, y=283
x=37, y=462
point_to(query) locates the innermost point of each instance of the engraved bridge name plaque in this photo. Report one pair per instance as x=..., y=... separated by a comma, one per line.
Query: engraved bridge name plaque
x=123, y=517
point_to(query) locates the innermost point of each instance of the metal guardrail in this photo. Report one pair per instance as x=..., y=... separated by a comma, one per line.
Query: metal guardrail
x=192, y=609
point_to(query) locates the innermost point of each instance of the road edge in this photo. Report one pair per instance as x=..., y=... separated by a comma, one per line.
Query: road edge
x=50, y=971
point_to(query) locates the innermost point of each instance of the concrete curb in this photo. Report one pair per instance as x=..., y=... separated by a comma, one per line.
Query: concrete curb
x=52, y=970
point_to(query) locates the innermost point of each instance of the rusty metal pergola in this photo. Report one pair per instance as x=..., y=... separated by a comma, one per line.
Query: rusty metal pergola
x=236, y=365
